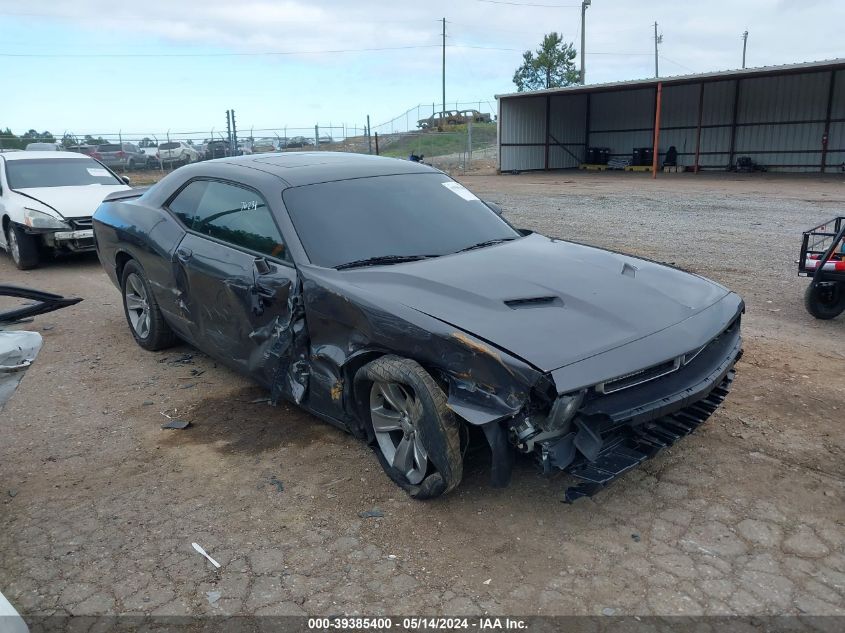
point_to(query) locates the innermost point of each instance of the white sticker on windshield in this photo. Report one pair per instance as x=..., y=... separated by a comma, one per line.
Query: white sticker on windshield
x=460, y=190
x=99, y=172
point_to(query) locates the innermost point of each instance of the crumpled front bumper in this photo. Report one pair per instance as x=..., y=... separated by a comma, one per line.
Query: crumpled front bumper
x=613, y=433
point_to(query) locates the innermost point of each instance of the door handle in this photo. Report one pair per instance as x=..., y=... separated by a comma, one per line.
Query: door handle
x=184, y=254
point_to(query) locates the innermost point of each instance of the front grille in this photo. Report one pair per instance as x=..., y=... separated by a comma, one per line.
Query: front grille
x=80, y=224
x=638, y=377
x=658, y=371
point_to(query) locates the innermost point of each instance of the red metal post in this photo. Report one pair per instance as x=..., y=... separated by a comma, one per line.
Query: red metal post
x=696, y=166
x=654, y=158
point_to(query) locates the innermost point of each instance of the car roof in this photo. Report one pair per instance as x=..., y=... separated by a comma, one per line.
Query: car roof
x=307, y=168
x=43, y=154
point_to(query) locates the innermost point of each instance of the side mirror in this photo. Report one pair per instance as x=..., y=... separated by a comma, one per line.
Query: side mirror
x=493, y=206
x=125, y=179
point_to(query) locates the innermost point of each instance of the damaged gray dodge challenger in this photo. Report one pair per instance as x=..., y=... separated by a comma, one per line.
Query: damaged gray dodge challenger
x=385, y=298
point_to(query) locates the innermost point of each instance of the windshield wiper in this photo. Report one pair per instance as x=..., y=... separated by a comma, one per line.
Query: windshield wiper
x=383, y=259
x=498, y=240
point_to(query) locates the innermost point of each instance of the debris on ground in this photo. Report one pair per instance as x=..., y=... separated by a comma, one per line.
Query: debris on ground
x=189, y=385
x=177, y=424
x=635, y=537
x=199, y=548
x=212, y=596
x=259, y=400
x=13, y=493
x=147, y=403
x=487, y=582
x=375, y=513
x=280, y=487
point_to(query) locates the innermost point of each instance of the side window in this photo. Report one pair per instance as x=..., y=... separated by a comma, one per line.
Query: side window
x=239, y=216
x=184, y=205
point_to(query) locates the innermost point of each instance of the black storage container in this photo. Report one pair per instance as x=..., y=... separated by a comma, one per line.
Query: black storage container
x=642, y=156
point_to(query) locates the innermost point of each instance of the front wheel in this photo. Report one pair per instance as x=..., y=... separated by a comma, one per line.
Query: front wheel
x=825, y=300
x=22, y=247
x=145, y=320
x=415, y=434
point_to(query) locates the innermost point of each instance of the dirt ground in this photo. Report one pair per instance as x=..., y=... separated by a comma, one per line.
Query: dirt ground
x=99, y=505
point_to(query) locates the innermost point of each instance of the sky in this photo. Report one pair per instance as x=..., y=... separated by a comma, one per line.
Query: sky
x=144, y=68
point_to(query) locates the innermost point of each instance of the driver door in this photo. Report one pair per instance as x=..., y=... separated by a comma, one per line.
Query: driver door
x=234, y=271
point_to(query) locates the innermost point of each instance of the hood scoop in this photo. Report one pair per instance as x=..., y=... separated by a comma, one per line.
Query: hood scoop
x=533, y=302
x=629, y=270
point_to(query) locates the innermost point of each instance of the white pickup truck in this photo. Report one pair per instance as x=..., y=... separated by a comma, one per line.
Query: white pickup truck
x=47, y=200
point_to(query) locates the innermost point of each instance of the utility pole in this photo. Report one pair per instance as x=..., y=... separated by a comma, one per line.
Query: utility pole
x=584, y=5
x=744, y=46
x=658, y=39
x=444, y=65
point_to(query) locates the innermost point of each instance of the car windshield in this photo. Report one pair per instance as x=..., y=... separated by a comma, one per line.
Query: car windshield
x=57, y=172
x=403, y=215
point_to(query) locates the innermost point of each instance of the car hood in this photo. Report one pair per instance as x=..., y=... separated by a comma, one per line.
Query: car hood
x=72, y=202
x=549, y=302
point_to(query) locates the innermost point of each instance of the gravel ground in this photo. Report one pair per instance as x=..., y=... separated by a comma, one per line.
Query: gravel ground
x=99, y=505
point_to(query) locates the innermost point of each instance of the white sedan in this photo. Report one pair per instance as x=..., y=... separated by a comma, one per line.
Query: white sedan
x=47, y=200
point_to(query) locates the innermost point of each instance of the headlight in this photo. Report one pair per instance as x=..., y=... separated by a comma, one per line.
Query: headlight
x=40, y=220
x=563, y=410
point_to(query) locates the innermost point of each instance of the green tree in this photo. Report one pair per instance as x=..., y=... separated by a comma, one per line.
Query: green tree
x=8, y=140
x=90, y=140
x=551, y=66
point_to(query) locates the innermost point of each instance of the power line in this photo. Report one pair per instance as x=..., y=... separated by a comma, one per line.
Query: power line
x=264, y=54
x=533, y=4
x=669, y=59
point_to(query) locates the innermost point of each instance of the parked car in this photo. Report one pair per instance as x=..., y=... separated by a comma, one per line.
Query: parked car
x=299, y=141
x=150, y=152
x=120, y=156
x=176, y=152
x=82, y=149
x=265, y=145
x=475, y=116
x=43, y=147
x=46, y=203
x=386, y=298
x=199, y=148
x=216, y=149
x=439, y=120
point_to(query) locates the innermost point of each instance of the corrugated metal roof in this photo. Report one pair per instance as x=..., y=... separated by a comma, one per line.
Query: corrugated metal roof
x=761, y=71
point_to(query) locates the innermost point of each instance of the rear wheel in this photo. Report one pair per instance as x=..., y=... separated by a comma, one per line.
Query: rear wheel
x=131, y=164
x=145, y=320
x=415, y=434
x=23, y=248
x=825, y=300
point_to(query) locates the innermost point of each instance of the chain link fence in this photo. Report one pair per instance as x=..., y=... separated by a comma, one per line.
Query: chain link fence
x=450, y=142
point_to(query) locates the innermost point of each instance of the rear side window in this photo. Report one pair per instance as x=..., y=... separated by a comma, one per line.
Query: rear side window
x=232, y=214
x=168, y=146
x=108, y=148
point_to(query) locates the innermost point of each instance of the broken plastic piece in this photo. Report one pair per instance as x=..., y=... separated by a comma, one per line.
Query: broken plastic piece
x=204, y=553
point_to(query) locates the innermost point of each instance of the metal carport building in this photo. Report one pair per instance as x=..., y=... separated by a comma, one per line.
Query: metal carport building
x=786, y=118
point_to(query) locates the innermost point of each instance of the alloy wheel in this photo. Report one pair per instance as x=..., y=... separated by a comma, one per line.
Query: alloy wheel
x=14, y=247
x=395, y=412
x=137, y=305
